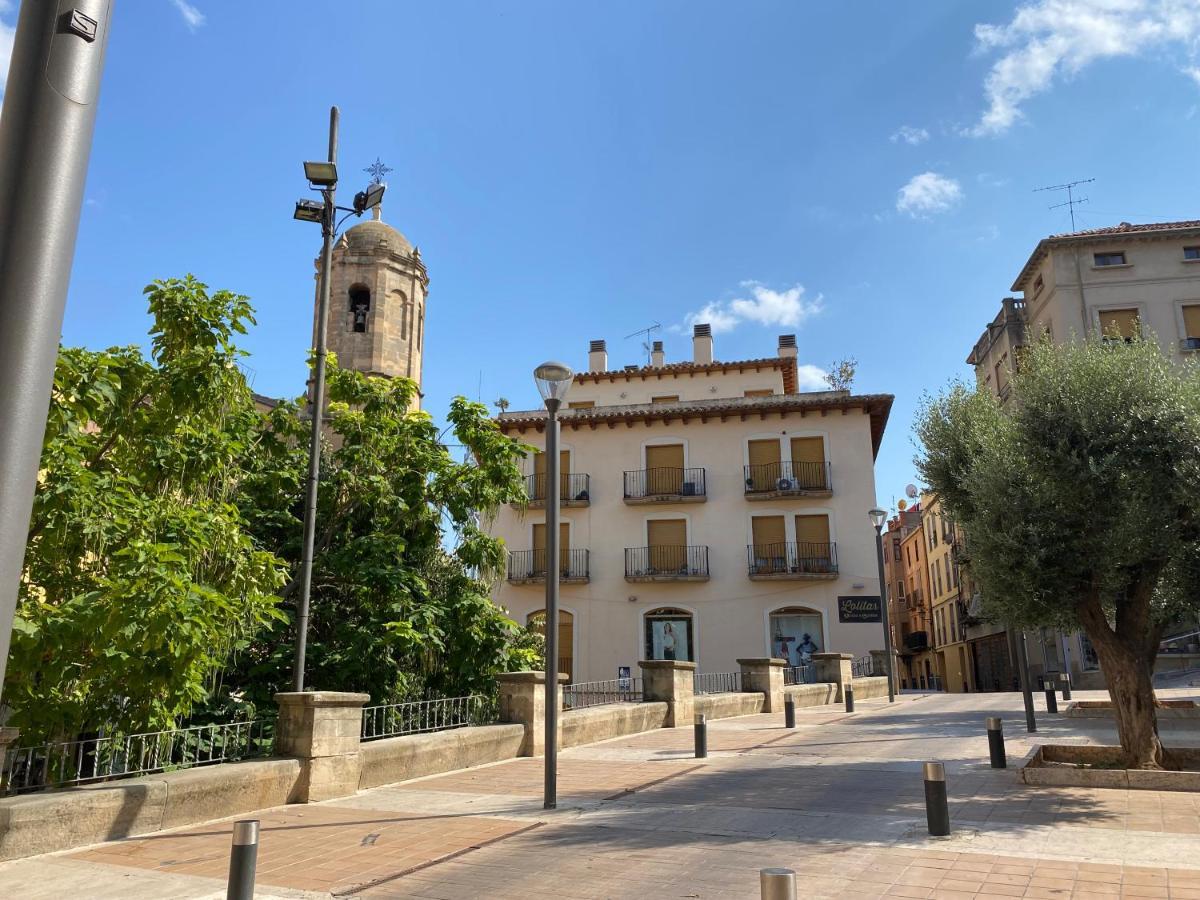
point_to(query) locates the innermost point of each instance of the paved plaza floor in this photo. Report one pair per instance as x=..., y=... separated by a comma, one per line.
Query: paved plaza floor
x=839, y=799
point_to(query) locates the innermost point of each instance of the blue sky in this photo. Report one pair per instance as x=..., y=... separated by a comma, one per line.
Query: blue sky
x=859, y=174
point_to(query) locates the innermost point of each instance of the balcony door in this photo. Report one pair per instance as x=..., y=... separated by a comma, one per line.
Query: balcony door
x=664, y=469
x=539, y=474
x=812, y=543
x=667, y=540
x=764, y=464
x=808, y=462
x=539, y=547
x=770, y=543
x=566, y=638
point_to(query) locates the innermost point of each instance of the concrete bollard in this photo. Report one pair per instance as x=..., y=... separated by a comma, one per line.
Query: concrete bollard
x=243, y=860
x=701, y=728
x=995, y=733
x=1066, y=685
x=777, y=884
x=937, y=809
x=1051, y=698
x=789, y=712
x=849, y=698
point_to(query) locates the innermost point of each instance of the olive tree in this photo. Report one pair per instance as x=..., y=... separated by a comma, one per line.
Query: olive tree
x=1080, y=503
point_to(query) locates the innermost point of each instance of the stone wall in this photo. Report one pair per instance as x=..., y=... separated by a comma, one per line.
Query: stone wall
x=602, y=723
x=814, y=694
x=59, y=820
x=390, y=760
x=726, y=706
x=870, y=687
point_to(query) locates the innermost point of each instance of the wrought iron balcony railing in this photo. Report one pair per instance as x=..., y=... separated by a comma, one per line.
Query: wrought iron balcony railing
x=916, y=641
x=574, y=489
x=530, y=565
x=666, y=484
x=793, y=560
x=666, y=563
x=788, y=478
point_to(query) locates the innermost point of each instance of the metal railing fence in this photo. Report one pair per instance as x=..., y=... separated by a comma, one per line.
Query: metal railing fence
x=805, y=673
x=643, y=484
x=717, y=683
x=526, y=564
x=109, y=757
x=804, y=558
x=787, y=477
x=664, y=561
x=573, y=487
x=421, y=716
x=600, y=693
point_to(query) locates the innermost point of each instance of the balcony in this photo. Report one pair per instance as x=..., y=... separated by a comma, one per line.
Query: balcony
x=666, y=563
x=916, y=641
x=529, y=567
x=665, y=486
x=793, y=562
x=770, y=481
x=574, y=490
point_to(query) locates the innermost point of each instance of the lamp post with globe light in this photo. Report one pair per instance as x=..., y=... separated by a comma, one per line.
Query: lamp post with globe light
x=553, y=380
x=878, y=518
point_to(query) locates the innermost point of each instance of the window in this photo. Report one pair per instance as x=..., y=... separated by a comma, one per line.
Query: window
x=1038, y=284
x=1191, y=321
x=946, y=560
x=566, y=635
x=668, y=634
x=360, y=306
x=664, y=470
x=1119, y=324
x=1002, y=374
x=1191, y=253
x=795, y=634
x=581, y=404
x=538, y=488
x=1109, y=259
x=667, y=545
x=666, y=398
x=763, y=392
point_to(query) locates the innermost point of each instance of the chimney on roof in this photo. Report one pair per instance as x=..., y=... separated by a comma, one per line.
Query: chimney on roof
x=787, y=346
x=597, y=357
x=702, y=344
x=657, y=358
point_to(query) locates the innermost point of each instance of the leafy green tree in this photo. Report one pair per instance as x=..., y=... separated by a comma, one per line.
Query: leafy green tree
x=141, y=577
x=402, y=570
x=840, y=376
x=1080, y=504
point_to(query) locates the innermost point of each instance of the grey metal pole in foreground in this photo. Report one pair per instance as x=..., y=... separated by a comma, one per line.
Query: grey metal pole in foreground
x=550, y=799
x=1018, y=642
x=937, y=809
x=243, y=860
x=887, y=623
x=46, y=126
x=316, y=410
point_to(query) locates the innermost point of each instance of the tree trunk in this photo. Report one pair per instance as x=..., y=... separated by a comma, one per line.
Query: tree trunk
x=1127, y=661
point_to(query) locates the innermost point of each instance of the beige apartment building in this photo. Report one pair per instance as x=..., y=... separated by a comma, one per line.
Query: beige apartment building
x=710, y=510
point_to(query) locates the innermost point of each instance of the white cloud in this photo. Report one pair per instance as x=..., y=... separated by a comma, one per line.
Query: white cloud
x=1051, y=39
x=811, y=378
x=192, y=17
x=761, y=305
x=928, y=193
x=910, y=135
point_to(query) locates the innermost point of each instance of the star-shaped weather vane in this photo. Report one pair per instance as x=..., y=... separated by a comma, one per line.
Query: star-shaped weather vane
x=377, y=170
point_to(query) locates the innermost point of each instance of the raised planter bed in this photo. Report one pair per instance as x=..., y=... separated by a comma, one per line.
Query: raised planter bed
x=1075, y=765
x=1170, y=713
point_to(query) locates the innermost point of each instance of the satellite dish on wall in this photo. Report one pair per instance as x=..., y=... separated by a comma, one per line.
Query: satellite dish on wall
x=911, y=492
x=902, y=505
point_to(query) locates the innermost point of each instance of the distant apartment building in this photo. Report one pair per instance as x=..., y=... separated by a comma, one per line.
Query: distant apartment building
x=908, y=590
x=711, y=510
x=1108, y=282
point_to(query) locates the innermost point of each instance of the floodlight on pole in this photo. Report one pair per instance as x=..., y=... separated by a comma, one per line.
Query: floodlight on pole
x=369, y=199
x=309, y=211
x=321, y=174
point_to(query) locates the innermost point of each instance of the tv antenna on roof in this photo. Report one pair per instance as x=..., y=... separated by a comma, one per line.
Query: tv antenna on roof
x=1071, y=202
x=646, y=345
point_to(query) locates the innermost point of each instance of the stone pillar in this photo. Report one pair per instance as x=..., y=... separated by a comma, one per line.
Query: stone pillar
x=763, y=675
x=674, y=682
x=8, y=737
x=322, y=729
x=523, y=701
x=879, y=666
x=834, y=668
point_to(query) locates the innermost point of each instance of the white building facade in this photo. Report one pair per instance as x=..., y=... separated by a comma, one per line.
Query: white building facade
x=710, y=511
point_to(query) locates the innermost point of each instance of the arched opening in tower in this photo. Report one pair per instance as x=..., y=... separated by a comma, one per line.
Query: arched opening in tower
x=360, y=306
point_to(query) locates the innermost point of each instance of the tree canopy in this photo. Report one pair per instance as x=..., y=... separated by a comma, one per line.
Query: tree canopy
x=164, y=545
x=1080, y=502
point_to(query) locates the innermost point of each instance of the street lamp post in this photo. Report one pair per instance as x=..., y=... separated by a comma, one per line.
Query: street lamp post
x=553, y=381
x=878, y=518
x=322, y=176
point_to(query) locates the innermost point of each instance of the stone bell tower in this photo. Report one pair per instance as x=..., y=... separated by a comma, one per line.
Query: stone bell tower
x=378, y=287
